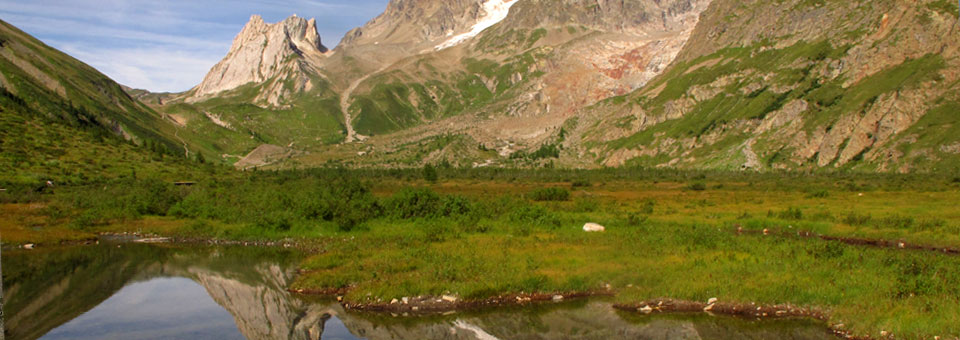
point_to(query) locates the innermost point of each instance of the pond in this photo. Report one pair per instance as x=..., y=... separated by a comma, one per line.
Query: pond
x=139, y=291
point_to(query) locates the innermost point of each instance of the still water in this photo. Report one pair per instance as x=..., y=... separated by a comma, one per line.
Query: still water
x=134, y=291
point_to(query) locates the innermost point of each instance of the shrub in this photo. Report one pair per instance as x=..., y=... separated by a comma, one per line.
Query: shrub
x=697, y=186
x=200, y=226
x=856, y=219
x=790, y=214
x=85, y=220
x=454, y=206
x=648, y=206
x=414, y=203
x=276, y=221
x=580, y=183
x=636, y=219
x=528, y=214
x=430, y=173
x=550, y=194
x=439, y=230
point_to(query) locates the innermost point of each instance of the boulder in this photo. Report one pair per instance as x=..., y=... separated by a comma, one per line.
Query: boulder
x=593, y=227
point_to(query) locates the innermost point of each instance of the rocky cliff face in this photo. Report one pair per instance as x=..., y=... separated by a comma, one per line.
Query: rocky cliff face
x=262, y=51
x=787, y=85
x=417, y=22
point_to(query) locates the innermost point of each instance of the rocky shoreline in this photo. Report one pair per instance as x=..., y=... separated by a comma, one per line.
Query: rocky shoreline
x=448, y=303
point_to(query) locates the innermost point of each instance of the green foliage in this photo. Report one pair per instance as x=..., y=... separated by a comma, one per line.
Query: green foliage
x=414, y=203
x=549, y=194
x=790, y=213
x=430, y=173
x=580, y=183
x=545, y=151
x=945, y=7
x=697, y=186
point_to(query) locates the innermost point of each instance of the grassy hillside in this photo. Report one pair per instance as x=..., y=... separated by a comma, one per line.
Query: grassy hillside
x=64, y=121
x=797, y=85
x=235, y=122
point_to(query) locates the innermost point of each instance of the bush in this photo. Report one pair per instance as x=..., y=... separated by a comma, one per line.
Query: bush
x=580, y=183
x=636, y=219
x=430, y=173
x=414, y=203
x=439, y=230
x=351, y=204
x=85, y=220
x=856, y=219
x=531, y=214
x=454, y=206
x=276, y=221
x=550, y=194
x=697, y=186
x=790, y=214
x=822, y=193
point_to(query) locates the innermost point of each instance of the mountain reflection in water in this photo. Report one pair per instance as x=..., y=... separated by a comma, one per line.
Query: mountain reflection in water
x=163, y=292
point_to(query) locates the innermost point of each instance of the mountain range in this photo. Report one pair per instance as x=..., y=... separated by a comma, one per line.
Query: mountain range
x=759, y=85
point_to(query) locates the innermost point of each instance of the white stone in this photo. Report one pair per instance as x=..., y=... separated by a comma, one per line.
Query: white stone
x=558, y=298
x=394, y=301
x=449, y=298
x=28, y=246
x=593, y=227
x=646, y=309
x=712, y=301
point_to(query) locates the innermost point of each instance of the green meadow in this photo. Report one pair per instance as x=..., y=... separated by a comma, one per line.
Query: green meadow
x=388, y=234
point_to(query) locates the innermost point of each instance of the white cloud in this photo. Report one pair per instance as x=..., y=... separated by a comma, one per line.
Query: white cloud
x=156, y=69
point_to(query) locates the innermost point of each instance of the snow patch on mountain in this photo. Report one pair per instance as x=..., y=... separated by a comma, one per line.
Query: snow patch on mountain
x=495, y=11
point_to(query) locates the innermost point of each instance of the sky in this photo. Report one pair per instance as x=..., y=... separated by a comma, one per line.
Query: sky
x=168, y=45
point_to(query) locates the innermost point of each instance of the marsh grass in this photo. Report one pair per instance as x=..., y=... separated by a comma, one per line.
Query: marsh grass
x=389, y=234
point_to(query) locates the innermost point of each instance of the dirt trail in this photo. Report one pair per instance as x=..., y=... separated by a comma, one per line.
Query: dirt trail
x=352, y=135
x=186, y=150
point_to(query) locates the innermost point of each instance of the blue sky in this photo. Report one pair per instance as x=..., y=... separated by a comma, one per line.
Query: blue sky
x=168, y=45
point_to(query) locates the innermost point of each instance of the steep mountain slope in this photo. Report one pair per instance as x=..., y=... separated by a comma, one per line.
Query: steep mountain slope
x=761, y=84
x=511, y=86
x=267, y=90
x=62, y=120
x=867, y=85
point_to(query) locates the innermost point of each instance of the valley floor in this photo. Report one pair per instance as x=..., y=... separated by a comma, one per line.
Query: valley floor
x=874, y=256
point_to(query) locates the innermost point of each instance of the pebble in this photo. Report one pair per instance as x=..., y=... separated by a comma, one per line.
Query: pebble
x=405, y=300
x=449, y=298
x=645, y=309
x=28, y=246
x=558, y=298
x=712, y=301
x=394, y=301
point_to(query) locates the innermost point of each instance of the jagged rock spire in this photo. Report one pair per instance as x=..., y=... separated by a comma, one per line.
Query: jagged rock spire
x=260, y=51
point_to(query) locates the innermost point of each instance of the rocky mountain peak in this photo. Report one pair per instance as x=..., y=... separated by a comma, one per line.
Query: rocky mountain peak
x=261, y=51
x=420, y=22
